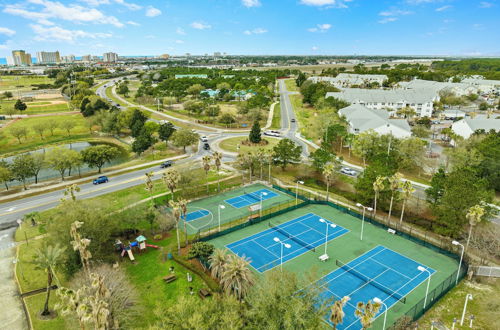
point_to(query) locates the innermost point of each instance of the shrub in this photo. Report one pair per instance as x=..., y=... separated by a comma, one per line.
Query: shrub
x=200, y=250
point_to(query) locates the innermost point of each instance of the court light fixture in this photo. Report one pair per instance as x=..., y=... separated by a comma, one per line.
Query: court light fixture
x=461, y=258
x=423, y=269
x=286, y=245
x=276, y=239
x=379, y=301
x=218, y=211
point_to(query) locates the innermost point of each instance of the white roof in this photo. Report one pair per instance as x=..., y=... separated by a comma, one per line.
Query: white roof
x=432, y=85
x=357, y=95
x=483, y=123
x=476, y=81
x=362, y=118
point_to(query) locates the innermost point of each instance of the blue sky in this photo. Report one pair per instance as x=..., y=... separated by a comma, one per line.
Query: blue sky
x=343, y=27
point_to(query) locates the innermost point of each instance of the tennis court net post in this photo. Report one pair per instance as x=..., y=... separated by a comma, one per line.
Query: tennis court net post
x=371, y=281
x=292, y=237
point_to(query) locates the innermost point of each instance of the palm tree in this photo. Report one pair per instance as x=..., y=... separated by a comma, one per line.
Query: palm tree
x=217, y=261
x=394, y=185
x=171, y=178
x=206, y=166
x=269, y=159
x=217, y=157
x=378, y=186
x=176, y=211
x=407, y=192
x=47, y=259
x=474, y=216
x=329, y=174
x=337, y=311
x=149, y=185
x=183, y=207
x=366, y=312
x=237, y=278
x=260, y=157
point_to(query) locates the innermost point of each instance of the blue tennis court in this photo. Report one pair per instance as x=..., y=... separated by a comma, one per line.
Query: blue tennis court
x=251, y=198
x=195, y=215
x=304, y=234
x=380, y=273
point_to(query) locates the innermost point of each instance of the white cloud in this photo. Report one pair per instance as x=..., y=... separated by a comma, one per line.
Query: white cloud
x=96, y=3
x=251, y=3
x=200, y=26
x=179, y=41
x=180, y=31
x=255, y=31
x=57, y=10
x=314, y=48
x=133, y=23
x=388, y=20
x=152, y=12
x=327, y=3
x=320, y=28
x=418, y=2
x=7, y=31
x=395, y=12
x=131, y=6
x=485, y=4
x=444, y=8
x=58, y=34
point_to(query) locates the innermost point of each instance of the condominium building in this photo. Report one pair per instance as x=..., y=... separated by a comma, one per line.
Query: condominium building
x=87, y=58
x=110, y=57
x=343, y=80
x=20, y=57
x=68, y=59
x=48, y=57
x=459, y=89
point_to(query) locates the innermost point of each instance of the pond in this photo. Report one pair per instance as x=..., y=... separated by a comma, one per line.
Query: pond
x=48, y=173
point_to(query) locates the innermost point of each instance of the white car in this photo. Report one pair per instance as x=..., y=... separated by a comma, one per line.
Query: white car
x=348, y=171
x=204, y=139
x=272, y=133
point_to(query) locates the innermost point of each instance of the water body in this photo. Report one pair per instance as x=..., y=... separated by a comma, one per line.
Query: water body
x=48, y=173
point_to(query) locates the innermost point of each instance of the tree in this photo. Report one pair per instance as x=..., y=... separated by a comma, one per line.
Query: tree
x=206, y=167
x=364, y=184
x=255, y=135
x=51, y=126
x=9, y=111
x=91, y=104
x=38, y=164
x=366, y=312
x=123, y=89
x=421, y=131
x=474, y=216
x=165, y=131
x=237, y=278
x=171, y=178
x=136, y=122
x=97, y=156
x=285, y=152
x=436, y=189
x=217, y=261
x=227, y=119
x=378, y=185
x=320, y=157
x=20, y=105
x=6, y=174
x=74, y=161
x=23, y=167
x=47, y=259
x=407, y=192
x=143, y=142
x=59, y=159
x=195, y=90
x=8, y=95
x=217, y=157
x=176, y=211
x=18, y=132
x=300, y=79
x=40, y=128
x=363, y=144
x=407, y=112
x=201, y=250
x=394, y=185
x=337, y=311
x=329, y=173
x=68, y=125
x=184, y=137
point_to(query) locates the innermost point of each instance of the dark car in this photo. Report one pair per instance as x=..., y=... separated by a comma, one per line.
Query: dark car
x=166, y=164
x=293, y=120
x=101, y=179
x=206, y=146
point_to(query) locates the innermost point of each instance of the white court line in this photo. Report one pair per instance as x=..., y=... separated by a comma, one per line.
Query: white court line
x=380, y=263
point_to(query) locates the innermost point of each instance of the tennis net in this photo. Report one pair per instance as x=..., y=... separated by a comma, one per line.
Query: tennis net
x=293, y=238
x=371, y=281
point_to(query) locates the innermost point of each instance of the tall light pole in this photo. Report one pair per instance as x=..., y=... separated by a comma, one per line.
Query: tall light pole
x=283, y=244
x=261, y=194
x=467, y=298
x=363, y=221
x=297, y=191
x=326, y=236
x=423, y=269
x=379, y=301
x=218, y=209
x=461, y=258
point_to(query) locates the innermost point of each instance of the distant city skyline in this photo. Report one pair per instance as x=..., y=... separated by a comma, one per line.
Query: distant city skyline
x=251, y=27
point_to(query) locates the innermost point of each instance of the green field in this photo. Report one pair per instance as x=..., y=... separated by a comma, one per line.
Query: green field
x=291, y=86
x=18, y=83
x=232, y=144
x=10, y=144
x=37, y=107
x=349, y=247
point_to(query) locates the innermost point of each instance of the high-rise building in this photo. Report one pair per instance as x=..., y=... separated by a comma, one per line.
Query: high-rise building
x=217, y=54
x=86, y=58
x=48, y=57
x=164, y=56
x=110, y=57
x=20, y=57
x=68, y=59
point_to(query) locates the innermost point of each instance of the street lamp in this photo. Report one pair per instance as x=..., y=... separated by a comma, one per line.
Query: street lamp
x=467, y=298
x=461, y=258
x=379, y=301
x=297, y=191
x=363, y=221
x=221, y=207
x=261, y=194
x=423, y=269
x=326, y=237
x=283, y=244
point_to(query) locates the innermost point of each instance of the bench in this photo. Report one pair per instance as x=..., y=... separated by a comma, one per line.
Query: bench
x=391, y=231
x=169, y=278
x=324, y=257
x=203, y=293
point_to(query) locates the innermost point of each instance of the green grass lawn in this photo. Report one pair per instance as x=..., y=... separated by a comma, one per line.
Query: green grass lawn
x=232, y=144
x=35, y=305
x=10, y=144
x=16, y=83
x=34, y=107
x=276, y=123
x=291, y=86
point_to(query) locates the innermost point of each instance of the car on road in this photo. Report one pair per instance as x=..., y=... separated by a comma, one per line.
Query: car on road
x=166, y=164
x=206, y=146
x=293, y=120
x=348, y=171
x=204, y=139
x=101, y=179
x=272, y=133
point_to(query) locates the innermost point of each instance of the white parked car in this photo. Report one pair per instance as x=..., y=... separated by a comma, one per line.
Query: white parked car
x=204, y=139
x=348, y=171
x=272, y=133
